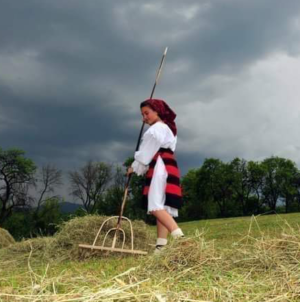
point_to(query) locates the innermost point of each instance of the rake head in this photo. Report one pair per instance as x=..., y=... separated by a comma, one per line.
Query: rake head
x=117, y=230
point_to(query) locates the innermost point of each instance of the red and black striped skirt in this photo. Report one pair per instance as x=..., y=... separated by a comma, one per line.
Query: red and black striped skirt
x=173, y=188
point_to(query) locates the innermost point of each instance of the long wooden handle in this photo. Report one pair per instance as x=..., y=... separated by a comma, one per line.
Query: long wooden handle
x=124, y=201
x=152, y=93
x=139, y=141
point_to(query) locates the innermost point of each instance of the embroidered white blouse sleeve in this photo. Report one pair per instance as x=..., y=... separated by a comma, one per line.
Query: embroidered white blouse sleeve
x=157, y=136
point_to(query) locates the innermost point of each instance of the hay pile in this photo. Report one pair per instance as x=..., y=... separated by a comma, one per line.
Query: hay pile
x=84, y=229
x=188, y=253
x=5, y=238
x=80, y=230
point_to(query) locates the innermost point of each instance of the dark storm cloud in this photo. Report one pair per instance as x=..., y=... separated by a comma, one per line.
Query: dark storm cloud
x=232, y=34
x=90, y=61
x=189, y=161
x=76, y=38
x=44, y=125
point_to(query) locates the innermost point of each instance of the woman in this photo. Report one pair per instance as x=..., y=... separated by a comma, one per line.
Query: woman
x=155, y=157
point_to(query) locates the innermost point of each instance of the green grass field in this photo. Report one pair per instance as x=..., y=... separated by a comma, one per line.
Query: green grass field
x=234, y=259
x=229, y=230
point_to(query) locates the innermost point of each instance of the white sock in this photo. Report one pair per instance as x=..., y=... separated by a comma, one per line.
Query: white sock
x=161, y=241
x=177, y=233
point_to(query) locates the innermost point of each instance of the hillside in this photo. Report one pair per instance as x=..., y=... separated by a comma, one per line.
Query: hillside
x=235, y=259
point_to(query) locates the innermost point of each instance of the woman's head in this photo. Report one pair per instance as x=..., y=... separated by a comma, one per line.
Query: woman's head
x=154, y=110
x=150, y=116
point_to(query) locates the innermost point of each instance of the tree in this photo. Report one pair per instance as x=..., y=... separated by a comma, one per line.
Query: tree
x=89, y=183
x=48, y=218
x=16, y=175
x=256, y=178
x=241, y=185
x=111, y=202
x=280, y=181
x=297, y=197
x=196, y=205
x=289, y=176
x=135, y=207
x=215, y=177
x=50, y=177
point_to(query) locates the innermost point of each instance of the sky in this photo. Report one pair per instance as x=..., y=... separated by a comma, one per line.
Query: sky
x=73, y=73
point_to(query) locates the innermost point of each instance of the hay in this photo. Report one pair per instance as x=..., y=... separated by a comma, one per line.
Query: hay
x=35, y=244
x=184, y=254
x=64, y=245
x=5, y=238
x=38, y=248
x=252, y=269
x=83, y=230
x=269, y=252
x=189, y=269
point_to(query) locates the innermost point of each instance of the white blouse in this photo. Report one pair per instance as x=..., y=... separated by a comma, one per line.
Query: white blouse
x=157, y=136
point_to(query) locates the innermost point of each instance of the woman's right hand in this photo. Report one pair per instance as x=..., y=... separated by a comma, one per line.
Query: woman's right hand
x=129, y=171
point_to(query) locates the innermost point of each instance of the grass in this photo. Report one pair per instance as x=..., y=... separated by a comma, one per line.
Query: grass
x=234, y=259
x=229, y=230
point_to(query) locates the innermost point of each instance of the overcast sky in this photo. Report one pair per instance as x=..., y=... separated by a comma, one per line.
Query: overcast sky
x=73, y=73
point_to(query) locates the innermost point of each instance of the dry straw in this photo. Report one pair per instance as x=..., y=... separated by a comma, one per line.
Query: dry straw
x=257, y=269
x=83, y=230
x=64, y=245
x=5, y=238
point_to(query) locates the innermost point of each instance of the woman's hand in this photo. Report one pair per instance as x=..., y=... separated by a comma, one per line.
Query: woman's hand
x=129, y=171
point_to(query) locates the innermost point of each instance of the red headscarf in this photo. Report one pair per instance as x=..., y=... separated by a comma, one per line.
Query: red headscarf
x=166, y=114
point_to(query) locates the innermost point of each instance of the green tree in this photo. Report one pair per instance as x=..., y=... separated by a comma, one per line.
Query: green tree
x=241, y=185
x=256, y=177
x=289, y=175
x=196, y=203
x=135, y=208
x=16, y=176
x=215, y=179
x=112, y=199
x=19, y=224
x=48, y=218
x=280, y=181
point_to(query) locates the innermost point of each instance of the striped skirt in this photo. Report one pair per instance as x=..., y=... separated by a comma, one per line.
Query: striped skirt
x=173, y=194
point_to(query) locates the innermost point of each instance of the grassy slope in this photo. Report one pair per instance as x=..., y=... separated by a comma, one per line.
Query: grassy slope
x=229, y=230
x=21, y=276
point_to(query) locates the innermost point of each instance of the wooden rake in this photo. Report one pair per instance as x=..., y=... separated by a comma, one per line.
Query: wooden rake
x=118, y=229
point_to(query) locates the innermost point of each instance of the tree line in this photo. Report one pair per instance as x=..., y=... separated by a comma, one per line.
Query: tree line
x=30, y=207
x=240, y=188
